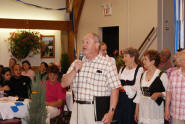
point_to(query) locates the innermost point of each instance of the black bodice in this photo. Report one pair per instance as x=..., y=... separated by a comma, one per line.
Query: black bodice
x=128, y=82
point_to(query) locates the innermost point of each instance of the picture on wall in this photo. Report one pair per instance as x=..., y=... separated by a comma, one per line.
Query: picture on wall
x=47, y=46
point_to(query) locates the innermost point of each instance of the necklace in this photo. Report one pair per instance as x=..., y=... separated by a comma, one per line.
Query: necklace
x=149, y=75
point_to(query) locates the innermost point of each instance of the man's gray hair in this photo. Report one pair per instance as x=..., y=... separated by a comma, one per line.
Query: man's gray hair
x=95, y=37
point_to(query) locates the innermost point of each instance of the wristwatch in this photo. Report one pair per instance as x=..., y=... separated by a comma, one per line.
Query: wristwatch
x=112, y=109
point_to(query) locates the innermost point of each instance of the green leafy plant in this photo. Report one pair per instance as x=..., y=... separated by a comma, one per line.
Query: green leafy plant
x=37, y=112
x=21, y=43
x=119, y=58
x=65, y=62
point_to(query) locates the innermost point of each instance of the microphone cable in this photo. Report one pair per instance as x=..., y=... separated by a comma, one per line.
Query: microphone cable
x=80, y=58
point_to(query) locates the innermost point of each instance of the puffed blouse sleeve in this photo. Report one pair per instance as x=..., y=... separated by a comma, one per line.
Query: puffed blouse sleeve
x=165, y=81
x=137, y=85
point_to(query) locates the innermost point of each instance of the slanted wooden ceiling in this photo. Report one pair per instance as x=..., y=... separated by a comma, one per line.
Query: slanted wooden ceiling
x=77, y=8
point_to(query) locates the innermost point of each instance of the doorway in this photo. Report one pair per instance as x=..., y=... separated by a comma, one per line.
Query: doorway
x=110, y=35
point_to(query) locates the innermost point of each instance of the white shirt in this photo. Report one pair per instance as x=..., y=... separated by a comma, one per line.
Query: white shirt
x=128, y=74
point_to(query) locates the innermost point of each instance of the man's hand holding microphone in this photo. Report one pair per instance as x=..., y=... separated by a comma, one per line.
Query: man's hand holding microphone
x=78, y=63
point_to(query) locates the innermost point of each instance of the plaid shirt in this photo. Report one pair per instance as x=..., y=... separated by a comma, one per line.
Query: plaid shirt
x=96, y=78
x=177, y=88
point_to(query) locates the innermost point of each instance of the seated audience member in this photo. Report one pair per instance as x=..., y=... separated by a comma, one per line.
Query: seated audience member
x=42, y=74
x=1, y=68
x=12, y=62
x=20, y=85
x=175, y=99
x=6, y=75
x=55, y=94
x=165, y=63
x=60, y=73
x=27, y=69
x=58, y=64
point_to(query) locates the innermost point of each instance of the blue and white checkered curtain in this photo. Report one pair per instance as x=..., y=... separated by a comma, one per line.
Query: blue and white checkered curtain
x=179, y=24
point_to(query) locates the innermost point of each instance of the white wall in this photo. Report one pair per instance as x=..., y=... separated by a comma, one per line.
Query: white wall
x=135, y=19
x=92, y=18
x=142, y=15
x=17, y=10
x=34, y=60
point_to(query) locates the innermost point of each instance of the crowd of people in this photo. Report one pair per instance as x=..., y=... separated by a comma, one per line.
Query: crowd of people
x=16, y=81
x=147, y=91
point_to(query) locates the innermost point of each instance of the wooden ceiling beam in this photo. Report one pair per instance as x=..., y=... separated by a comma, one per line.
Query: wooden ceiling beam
x=35, y=24
x=77, y=7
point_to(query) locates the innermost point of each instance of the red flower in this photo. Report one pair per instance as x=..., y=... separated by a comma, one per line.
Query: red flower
x=115, y=52
x=23, y=42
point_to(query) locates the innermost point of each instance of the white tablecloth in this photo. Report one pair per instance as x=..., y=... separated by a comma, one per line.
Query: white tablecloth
x=10, y=108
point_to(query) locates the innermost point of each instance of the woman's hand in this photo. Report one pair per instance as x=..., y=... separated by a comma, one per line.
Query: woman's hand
x=6, y=88
x=167, y=114
x=121, y=88
x=156, y=95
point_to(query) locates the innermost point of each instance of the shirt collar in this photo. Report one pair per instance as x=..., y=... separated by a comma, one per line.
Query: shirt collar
x=93, y=60
x=179, y=72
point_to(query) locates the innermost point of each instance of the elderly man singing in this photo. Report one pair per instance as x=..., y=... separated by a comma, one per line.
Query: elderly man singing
x=95, y=75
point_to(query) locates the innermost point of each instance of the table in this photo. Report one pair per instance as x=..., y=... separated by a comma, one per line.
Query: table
x=10, y=108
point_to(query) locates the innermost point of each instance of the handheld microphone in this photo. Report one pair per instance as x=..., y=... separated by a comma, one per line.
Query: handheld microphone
x=80, y=56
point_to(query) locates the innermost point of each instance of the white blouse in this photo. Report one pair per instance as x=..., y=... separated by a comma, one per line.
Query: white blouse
x=128, y=74
x=30, y=73
x=149, y=111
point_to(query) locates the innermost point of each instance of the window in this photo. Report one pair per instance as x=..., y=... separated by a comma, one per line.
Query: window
x=179, y=24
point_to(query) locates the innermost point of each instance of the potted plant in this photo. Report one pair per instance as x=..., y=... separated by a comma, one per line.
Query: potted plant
x=37, y=112
x=65, y=62
x=21, y=43
x=119, y=59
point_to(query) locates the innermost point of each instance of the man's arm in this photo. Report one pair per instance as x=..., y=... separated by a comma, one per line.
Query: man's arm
x=114, y=98
x=67, y=79
x=6, y=88
x=113, y=102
